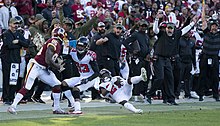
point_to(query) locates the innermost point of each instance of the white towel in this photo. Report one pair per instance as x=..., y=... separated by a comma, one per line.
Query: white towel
x=22, y=67
x=14, y=72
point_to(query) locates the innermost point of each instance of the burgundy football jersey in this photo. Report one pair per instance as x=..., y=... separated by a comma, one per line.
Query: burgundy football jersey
x=78, y=11
x=40, y=57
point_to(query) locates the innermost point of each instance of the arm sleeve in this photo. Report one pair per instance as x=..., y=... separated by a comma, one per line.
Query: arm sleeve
x=95, y=68
x=187, y=28
x=155, y=26
x=23, y=42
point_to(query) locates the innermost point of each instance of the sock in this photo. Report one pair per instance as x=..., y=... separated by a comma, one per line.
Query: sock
x=130, y=107
x=77, y=106
x=136, y=79
x=69, y=95
x=56, y=100
x=17, y=99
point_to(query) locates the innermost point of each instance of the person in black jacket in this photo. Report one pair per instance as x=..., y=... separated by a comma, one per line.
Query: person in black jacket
x=167, y=41
x=138, y=46
x=13, y=41
x=187, y=59
x=99, y=36
x=111, y=48
x=209, y=61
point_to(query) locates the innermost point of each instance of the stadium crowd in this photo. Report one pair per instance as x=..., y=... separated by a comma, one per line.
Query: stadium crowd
x=176, y=41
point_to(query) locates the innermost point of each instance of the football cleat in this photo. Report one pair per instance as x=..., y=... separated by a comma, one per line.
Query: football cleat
x=12, y=110
x=139, y=111
x=194, y=95
x=143, y=74
x=72, y=109
x=38, y=100
x=60, y=111
x=78, y=112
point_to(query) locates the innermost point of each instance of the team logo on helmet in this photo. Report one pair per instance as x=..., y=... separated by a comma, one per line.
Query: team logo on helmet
x=59, y=33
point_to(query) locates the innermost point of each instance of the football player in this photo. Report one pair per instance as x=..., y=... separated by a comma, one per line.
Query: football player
x=39, y=67
x=119, y=89
x=88, y=68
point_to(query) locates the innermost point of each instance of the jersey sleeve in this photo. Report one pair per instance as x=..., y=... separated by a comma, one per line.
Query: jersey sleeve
x=53, y=43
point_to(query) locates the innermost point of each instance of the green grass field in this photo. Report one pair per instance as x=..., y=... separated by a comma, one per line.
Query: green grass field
x=186, y=114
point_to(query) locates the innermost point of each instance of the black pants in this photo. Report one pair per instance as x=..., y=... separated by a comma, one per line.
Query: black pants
x=111, y=64
x=162, y=69
x=185, y=76
x=176, y=65
x=9, y=91
x=135, y=65
x=209, y=74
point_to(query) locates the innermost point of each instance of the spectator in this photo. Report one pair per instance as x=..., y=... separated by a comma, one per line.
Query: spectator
x=67, y=8
x=91, y=9
x=47, y=12
x=111, y=48
x=13, y=41
x=209, y=62
x=25, y=9
x=78, y=11
x=6, y=12
x=140, y=52
x=163, y=52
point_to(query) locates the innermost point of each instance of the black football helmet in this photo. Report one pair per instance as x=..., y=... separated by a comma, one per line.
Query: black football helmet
x=105, y=75
x=82, y=44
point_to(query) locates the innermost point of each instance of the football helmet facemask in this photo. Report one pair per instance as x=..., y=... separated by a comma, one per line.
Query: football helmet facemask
x=59, y=33
x=82, y=44
x=105, y=75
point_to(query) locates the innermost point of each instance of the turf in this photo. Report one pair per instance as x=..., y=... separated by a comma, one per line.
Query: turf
x=187, y=114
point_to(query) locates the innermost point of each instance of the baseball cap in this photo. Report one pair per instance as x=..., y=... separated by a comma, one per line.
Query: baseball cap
x=101, y=24
x=170, y=25
x=38, y=17
x=67, y=21
x=14, y=20
x=143, y=22
x=119, y=26
x=35, y=18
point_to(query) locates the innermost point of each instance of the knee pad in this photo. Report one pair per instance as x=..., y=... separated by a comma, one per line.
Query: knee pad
x=23, y=91
x=123, y=102
x=56, y=89
x=76, y=94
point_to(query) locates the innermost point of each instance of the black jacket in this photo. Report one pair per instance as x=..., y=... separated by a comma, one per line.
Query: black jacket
x=143, y=41
x=112, y=47
x=11, y=52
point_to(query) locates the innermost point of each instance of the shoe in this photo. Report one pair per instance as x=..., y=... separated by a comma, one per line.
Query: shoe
x=12, y=110
x=72, y=109
x=201, y=98
x=7, y=103
x=23, y=102
x=217, y=99
x=194, y=95
x=165, y=101
x=172, y=103
x=30, y=100
x=38, y=100
x=139, y=111
x=149, y=100
x=60, y=111
x=78, y=112
x=144, y=74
